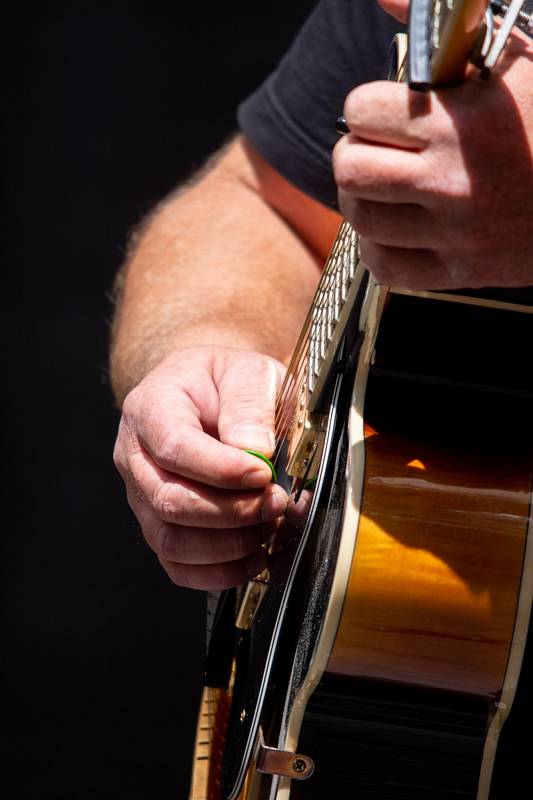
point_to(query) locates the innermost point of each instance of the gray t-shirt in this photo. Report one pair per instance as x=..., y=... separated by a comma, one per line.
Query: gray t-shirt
x=290, y=119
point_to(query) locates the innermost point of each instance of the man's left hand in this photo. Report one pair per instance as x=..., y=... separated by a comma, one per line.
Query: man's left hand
x=440, y=186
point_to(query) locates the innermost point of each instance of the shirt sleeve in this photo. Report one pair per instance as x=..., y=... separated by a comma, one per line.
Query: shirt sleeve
x=290, y=118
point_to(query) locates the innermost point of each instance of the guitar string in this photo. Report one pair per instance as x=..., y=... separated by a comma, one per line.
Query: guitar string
x=287, y=414
x=288, y=396
x=292, y=387
x=285, y=403
x=303, y=346
x=325, y=296
x=325, y=275
x=331, y=295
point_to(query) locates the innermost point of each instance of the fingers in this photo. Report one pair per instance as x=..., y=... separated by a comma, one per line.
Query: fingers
x=411, y=269
x=205, y=506
x=381, y=174
x=176, y=500
x=404, y=187
x=173, y=436
x=204, y=558
x=388, y=113
x=398, y=225
x=187, y=545
x=177, y=420
x=247, y=395
x=215, y=576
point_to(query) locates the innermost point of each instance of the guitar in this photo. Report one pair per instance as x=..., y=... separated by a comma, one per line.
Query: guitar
x=379, y=654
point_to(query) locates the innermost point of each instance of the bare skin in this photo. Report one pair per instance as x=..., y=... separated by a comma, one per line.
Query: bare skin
x=221, y=278
x=437, y=184
x=197, y=370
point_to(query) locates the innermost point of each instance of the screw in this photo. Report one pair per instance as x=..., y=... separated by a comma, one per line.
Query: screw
x=299, y=765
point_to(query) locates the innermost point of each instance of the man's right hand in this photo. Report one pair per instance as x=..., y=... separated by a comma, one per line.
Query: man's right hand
x=205, y=506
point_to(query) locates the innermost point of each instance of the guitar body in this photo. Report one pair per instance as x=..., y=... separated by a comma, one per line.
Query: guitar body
x=417, y=664
x=379, y=655
x=402, y=637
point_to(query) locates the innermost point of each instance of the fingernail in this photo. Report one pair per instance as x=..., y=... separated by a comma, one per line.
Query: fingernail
x=257, y=478
x=274, y=505
x=257, y=563
x=253, y=437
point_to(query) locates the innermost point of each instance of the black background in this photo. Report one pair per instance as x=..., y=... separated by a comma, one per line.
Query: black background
x=111, y=105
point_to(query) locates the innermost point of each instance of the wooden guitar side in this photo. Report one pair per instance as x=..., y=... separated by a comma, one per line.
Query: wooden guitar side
x=431, y=598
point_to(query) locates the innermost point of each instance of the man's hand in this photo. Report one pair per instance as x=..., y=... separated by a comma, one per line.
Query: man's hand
x=441, y=186
x=205, y=505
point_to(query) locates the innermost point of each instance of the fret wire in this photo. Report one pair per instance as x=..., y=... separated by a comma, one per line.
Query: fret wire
x=288, y=407
x=286, y=410
x=295, y=356
x=210, y=704
x=287, y=399
x=291, y=397
x=292, y=372
x=318, y=327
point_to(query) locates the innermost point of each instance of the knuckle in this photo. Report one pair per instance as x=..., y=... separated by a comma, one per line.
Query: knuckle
x=350, y=102
x=378, y=259
x=355, y=103
x=128, y=424
x=178, y=575
x=119, y=459
x=169, y=450
x=344, y=168
x=130, y=410
x=363, y=218
x=164, y=542
x=151, y=531
x=133, y=485
x=165, y=502
x=241, y=513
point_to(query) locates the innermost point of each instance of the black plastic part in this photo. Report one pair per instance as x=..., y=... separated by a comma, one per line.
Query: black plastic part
x=419, y=45
x=222, y=643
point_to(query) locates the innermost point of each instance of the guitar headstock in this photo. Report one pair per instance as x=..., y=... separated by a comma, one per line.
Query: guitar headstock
x=445, y=36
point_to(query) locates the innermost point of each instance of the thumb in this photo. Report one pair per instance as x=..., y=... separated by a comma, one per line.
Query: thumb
x=247, y=395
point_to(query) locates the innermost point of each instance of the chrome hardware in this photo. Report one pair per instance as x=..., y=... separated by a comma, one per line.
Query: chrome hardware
x=282, y=762
x=524, y=18
x=512, y=15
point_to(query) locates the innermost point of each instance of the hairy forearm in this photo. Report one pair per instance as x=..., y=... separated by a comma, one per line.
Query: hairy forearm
x=216, y=264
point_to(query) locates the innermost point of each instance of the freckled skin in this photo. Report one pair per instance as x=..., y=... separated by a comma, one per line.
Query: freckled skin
x=186, y=485
x=217, y=286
